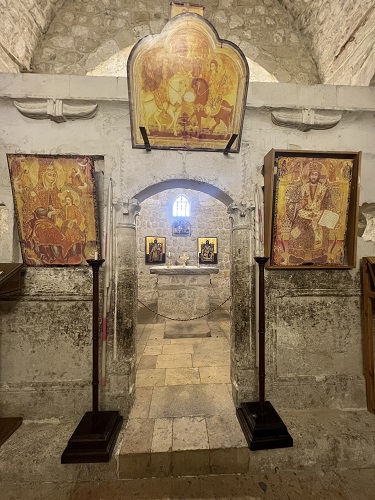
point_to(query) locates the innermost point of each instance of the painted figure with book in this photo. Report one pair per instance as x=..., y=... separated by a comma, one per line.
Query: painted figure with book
x=312, y=199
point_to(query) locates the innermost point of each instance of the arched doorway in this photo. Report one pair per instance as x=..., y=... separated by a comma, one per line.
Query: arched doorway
x=183, y=349
x=242, y=349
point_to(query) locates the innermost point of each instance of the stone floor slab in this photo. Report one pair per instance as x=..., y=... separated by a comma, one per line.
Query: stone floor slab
x=29, y=471
x=182, y=376
x=193, y=341
x=141, y=406
x=163, y=435
x=174, y=361
x=269, y=485
x=150, y=378
x=224, y=431
x=189, y=433
x=214, y=374
x=194, y=400
x=147, y=363
x=152, y=350
x=211, y=359
x=158, y=342
x=138, y=436
x=186, y=329
x=178, y=349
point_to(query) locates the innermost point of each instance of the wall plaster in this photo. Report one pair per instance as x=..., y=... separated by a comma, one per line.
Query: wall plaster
x=45, y=330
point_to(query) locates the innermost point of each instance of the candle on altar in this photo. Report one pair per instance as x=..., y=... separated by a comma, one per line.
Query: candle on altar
x=96, y=255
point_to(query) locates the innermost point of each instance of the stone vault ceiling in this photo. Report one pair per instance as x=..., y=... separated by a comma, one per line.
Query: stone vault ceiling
x=327, y=41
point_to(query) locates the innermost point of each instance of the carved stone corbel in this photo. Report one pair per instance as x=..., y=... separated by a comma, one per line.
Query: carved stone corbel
x=129, y=212
x=240, y=213
x=306, y=119
x=56, y=110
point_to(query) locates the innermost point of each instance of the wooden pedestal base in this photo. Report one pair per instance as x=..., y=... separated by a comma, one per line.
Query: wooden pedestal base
x=263, y=432
x=94, y=438
x=8, y=426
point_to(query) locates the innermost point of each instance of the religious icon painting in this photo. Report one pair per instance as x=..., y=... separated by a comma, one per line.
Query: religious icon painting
x=55, y=206
x=181, y=227
x=187, y=88
x=312, y=209
x=207, y=250
x=155, y=250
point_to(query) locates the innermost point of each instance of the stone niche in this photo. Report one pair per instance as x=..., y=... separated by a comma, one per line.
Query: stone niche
x=208, y=218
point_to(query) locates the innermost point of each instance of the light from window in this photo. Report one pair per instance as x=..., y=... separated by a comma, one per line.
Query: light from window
x=181, y=207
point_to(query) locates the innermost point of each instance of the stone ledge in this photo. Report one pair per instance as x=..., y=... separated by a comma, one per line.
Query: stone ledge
x=260, y=95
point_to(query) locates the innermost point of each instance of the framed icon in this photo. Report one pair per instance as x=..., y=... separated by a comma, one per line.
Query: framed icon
x=155, y=250
x=56, y=209
x=311, y=209
x=207, y=250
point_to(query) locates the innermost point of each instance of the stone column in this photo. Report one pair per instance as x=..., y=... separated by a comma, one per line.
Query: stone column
x=122, y=371
x=242, y=347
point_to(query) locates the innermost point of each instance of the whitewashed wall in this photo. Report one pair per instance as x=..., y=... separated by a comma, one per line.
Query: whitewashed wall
x=45, y=371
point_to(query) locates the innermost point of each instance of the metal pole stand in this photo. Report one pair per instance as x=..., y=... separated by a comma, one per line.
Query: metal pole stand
x=260, y=422
x=96, y=434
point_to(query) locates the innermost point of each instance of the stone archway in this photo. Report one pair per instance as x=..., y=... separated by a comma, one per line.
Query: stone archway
x=241, y=279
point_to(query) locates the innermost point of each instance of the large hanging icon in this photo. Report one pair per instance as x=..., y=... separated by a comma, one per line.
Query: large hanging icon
x=187, y=88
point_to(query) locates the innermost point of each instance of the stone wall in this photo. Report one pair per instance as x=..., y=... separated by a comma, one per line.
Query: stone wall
x=23, y=22
x=314, y=339
x=342, y=37
x=208, y=218
x=85, y=33
x=285, y=37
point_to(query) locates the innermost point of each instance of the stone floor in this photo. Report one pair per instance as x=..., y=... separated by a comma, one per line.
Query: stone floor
x=183, y=421
x=178, y=433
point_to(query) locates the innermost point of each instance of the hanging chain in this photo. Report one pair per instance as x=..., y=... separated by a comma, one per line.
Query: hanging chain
x=189, y=319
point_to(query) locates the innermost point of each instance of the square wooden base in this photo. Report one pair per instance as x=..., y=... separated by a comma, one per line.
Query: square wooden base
x=94, y=438
x=8, y=425
x=263, y=432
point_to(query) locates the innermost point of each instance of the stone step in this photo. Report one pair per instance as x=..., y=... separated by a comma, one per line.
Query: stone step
x=185, y=446
x=182, y=446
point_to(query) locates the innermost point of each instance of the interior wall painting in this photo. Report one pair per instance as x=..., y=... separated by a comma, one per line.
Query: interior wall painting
x=311, y=211
x=207, y=250
x=181, y=227
x=187, y=88
x=155, y=250
x=55, y=205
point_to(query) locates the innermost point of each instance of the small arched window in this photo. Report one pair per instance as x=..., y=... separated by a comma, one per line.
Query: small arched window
x=181, y=207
